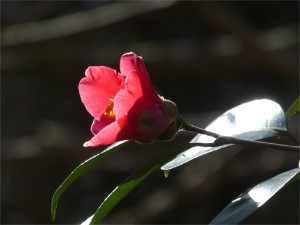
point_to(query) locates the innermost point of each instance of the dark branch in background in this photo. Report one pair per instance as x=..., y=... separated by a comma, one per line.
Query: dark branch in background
x=259, y=45
x=77, y=22
x=223, y=140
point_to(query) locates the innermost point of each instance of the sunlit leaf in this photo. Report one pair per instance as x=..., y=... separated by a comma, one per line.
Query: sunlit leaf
x=249, y=201
x=295, y=107
x=134, y=180
x=80, y=170
x=166, y=173
x=87, y=221
x=254, y=120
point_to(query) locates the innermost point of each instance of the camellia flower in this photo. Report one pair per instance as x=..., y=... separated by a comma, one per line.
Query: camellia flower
x=125, y=105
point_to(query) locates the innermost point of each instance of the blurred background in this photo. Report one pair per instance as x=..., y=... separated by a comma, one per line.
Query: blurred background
x=207, y=57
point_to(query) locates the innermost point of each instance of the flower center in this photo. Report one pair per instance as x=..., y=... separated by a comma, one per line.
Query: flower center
x=110, y=113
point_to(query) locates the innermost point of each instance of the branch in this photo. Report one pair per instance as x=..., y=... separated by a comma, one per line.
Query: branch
x=223, y=140
x=77, y=22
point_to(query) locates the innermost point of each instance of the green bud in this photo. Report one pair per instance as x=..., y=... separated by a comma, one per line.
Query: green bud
x=158, y=122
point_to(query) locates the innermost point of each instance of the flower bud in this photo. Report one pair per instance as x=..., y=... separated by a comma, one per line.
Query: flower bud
x=158, y=122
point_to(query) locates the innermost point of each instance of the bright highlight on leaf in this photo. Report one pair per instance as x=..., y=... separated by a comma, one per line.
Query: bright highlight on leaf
x=252, y=199
x=254, y=120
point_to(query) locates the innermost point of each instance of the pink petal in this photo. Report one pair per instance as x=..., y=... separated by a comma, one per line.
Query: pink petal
x=134, y=99
x=132, y=62
x=100, y=84
x=116, y=131
x=98, y=125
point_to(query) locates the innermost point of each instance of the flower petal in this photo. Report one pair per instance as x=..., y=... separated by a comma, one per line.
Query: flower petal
x=130, y=61
x=98, y=125
x=134, y=99
x=116, y=131
x=99, y=86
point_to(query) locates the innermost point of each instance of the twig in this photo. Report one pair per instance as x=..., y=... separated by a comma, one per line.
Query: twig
x=77, y=22
x=223, y=140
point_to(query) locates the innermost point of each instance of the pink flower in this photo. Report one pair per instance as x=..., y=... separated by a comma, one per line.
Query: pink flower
x=125, y=105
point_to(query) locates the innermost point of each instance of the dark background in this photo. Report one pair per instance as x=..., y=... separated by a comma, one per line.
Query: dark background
x=205, y=56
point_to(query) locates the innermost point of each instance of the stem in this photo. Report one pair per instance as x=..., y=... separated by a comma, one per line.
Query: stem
x=189, y=127
x=222, y=140
x=237, y=141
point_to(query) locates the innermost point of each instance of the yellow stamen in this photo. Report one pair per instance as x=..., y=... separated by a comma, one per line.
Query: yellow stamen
x=110, y=110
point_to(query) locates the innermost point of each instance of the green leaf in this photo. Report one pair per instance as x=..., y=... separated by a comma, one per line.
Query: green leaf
x=134, y=180
x=166, y=173
x=253, y=120
x=249, y=201
x=295, y=107
x=80, y=170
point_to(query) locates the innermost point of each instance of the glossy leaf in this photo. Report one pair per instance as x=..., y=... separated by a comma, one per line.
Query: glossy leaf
x=249, y=201
x=254, y=120
x=80, y=170
x=87, y=221
x=132, y=181
x=166, y=173
x=295, y=107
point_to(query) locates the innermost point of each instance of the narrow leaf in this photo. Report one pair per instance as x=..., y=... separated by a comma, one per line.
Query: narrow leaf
x=295, y=107
x=80, y=170
x=254, y=120
x=166, y=173
x=87, y=221
x=133, y=180
x=249, y=201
